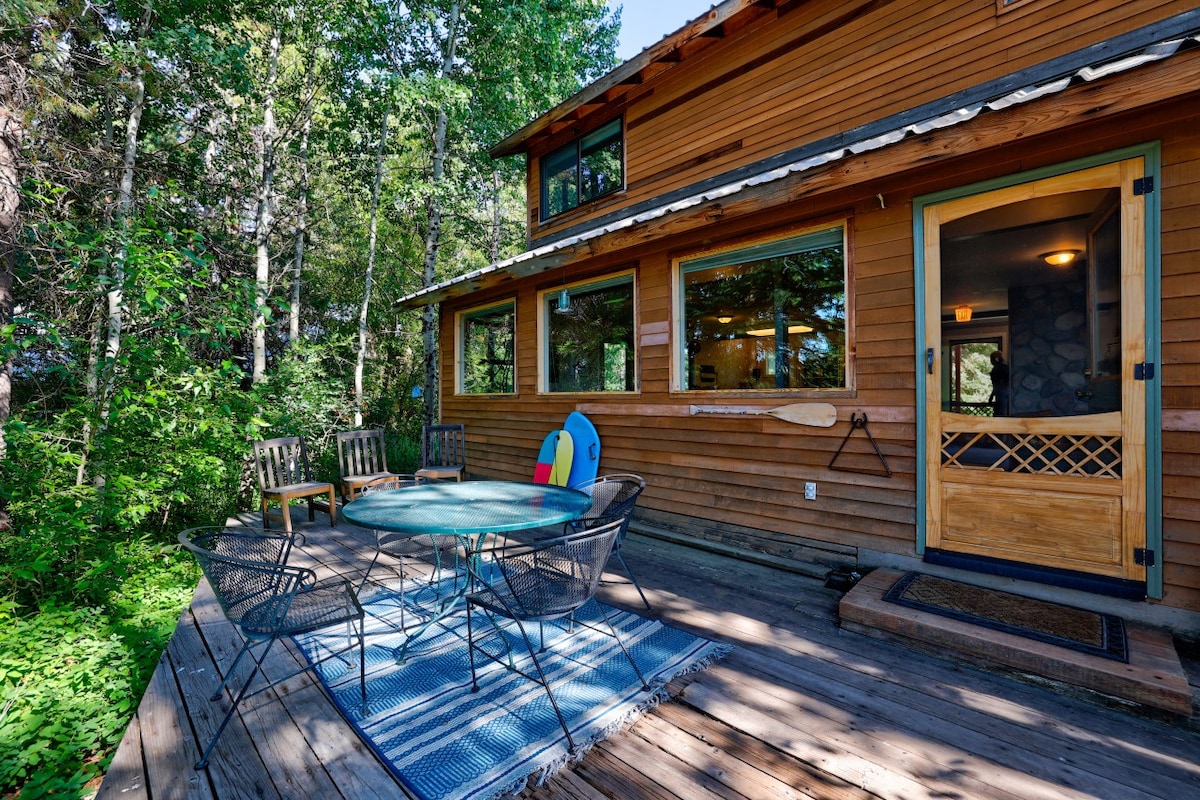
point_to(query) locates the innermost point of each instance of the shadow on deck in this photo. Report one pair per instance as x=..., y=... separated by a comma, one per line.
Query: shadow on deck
x=801, y=709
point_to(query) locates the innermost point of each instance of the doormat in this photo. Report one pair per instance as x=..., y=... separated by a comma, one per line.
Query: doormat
x=445, y=742
x=1065, y=626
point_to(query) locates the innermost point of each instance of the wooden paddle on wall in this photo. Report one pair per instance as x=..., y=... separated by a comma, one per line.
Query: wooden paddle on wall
x=818, y=415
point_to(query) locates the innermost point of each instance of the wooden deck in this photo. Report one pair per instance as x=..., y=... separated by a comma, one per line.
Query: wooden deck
x=800, y=709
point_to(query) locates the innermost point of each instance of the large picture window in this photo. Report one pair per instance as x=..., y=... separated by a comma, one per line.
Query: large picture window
x=589, y=167
x=486, y=350
x=767, y=316
x=589, y=337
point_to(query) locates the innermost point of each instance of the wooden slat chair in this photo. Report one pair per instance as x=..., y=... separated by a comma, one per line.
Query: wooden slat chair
x=443, y=452
x=283, y=474
x=361, y=461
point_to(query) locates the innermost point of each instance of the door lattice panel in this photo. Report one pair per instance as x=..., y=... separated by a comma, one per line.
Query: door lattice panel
x=1034, y=453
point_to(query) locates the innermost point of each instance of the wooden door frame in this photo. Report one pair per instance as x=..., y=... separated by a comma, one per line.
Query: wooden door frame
x=1150, y=153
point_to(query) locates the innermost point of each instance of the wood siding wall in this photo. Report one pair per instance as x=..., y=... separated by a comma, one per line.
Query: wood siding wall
x=1181, y=362
x=751, y=471
x=822, y=68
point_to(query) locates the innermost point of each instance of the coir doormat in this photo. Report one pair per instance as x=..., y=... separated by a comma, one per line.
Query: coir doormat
x=1075, y=628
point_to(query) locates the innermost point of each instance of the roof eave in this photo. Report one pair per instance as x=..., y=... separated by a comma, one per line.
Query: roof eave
x=665, y=53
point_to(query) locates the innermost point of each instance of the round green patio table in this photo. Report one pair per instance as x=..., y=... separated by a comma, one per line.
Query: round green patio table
x=469, y=510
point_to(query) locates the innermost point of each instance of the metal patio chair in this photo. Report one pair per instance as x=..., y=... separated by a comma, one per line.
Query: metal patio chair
x=362, y=460
x=267, y=600
x=616, y=496
x=539, y=582
x=284, y=474
x=437, y=551
x=443, y=452
x=440, y=555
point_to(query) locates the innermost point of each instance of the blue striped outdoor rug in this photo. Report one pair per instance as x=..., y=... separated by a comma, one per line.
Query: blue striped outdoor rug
x=446, y=743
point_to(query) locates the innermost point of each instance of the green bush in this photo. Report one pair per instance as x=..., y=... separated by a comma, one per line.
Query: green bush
x=71, y=677
x=97, y=484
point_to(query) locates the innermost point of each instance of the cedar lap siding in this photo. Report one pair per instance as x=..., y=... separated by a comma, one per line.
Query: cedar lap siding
x=758, y=85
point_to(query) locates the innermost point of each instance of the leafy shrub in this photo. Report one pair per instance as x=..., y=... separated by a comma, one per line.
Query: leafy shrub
x=71, y=677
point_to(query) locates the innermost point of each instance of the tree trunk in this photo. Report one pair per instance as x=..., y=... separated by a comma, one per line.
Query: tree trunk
x=360, y=363
x=106, y=342
x=433, y=233
x=12, y=132
x=497, y=218
x=264, y=218
x=301, y=209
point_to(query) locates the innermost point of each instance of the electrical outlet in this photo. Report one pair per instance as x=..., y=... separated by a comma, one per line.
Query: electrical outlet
x=810, y=491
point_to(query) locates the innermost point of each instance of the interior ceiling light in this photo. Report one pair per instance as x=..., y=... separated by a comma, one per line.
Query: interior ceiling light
x=724, y=319
x=962, y=314
x=1059, y=258
x=771, y=331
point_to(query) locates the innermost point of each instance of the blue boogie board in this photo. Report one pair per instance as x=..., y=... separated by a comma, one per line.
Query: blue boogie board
x=586, y=462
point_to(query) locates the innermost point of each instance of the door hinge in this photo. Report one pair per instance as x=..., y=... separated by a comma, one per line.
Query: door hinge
x=1143, y=185
x=1143, y=371
x=1143, y=557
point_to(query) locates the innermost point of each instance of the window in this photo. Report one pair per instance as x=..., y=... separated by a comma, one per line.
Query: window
x=768, y=316
x=587, y=168
x=589, y=337
x=486, y=345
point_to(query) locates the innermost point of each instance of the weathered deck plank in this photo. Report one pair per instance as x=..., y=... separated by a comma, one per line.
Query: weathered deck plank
x=799, y=710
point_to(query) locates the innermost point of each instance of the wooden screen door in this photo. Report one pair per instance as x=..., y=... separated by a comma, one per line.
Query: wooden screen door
x=1051, y=473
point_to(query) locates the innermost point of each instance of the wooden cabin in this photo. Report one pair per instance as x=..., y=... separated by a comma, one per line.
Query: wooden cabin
x=857, y=203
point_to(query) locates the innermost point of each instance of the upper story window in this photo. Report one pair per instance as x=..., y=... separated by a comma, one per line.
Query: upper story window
x=588, y=337
x=589, y=167
x=767, y=316
x=486, y=349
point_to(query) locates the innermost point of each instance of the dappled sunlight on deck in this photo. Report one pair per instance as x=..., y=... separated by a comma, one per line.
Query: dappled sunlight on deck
x=800, y=709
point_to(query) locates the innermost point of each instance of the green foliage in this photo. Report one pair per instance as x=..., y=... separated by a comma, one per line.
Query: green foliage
x=130, y=332
x=71, y=676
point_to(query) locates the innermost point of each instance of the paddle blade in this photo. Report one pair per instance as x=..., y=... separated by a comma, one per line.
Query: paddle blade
x=818, y=415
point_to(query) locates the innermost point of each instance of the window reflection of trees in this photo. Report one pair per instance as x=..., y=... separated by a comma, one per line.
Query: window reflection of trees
x=801, y=291
x=488, y=355
x=591, y=341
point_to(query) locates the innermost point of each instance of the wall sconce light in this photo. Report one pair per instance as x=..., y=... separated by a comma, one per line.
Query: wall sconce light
x=1059, y=258
x=724, y=319
x=962, y=314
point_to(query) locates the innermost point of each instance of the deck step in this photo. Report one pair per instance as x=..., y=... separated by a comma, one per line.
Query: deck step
x=1153, y=678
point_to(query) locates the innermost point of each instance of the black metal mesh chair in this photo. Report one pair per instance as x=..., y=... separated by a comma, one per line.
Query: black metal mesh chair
x=616, y=496
x=539, y=582
x=437, y=552
x=267, y=599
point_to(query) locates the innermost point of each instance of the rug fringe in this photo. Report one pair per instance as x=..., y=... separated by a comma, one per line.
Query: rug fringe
x=658, y=693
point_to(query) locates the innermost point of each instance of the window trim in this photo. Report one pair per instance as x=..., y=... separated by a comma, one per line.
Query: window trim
x=460, y=318
x=544, y=214
x=543, y=329
x=678, y=358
